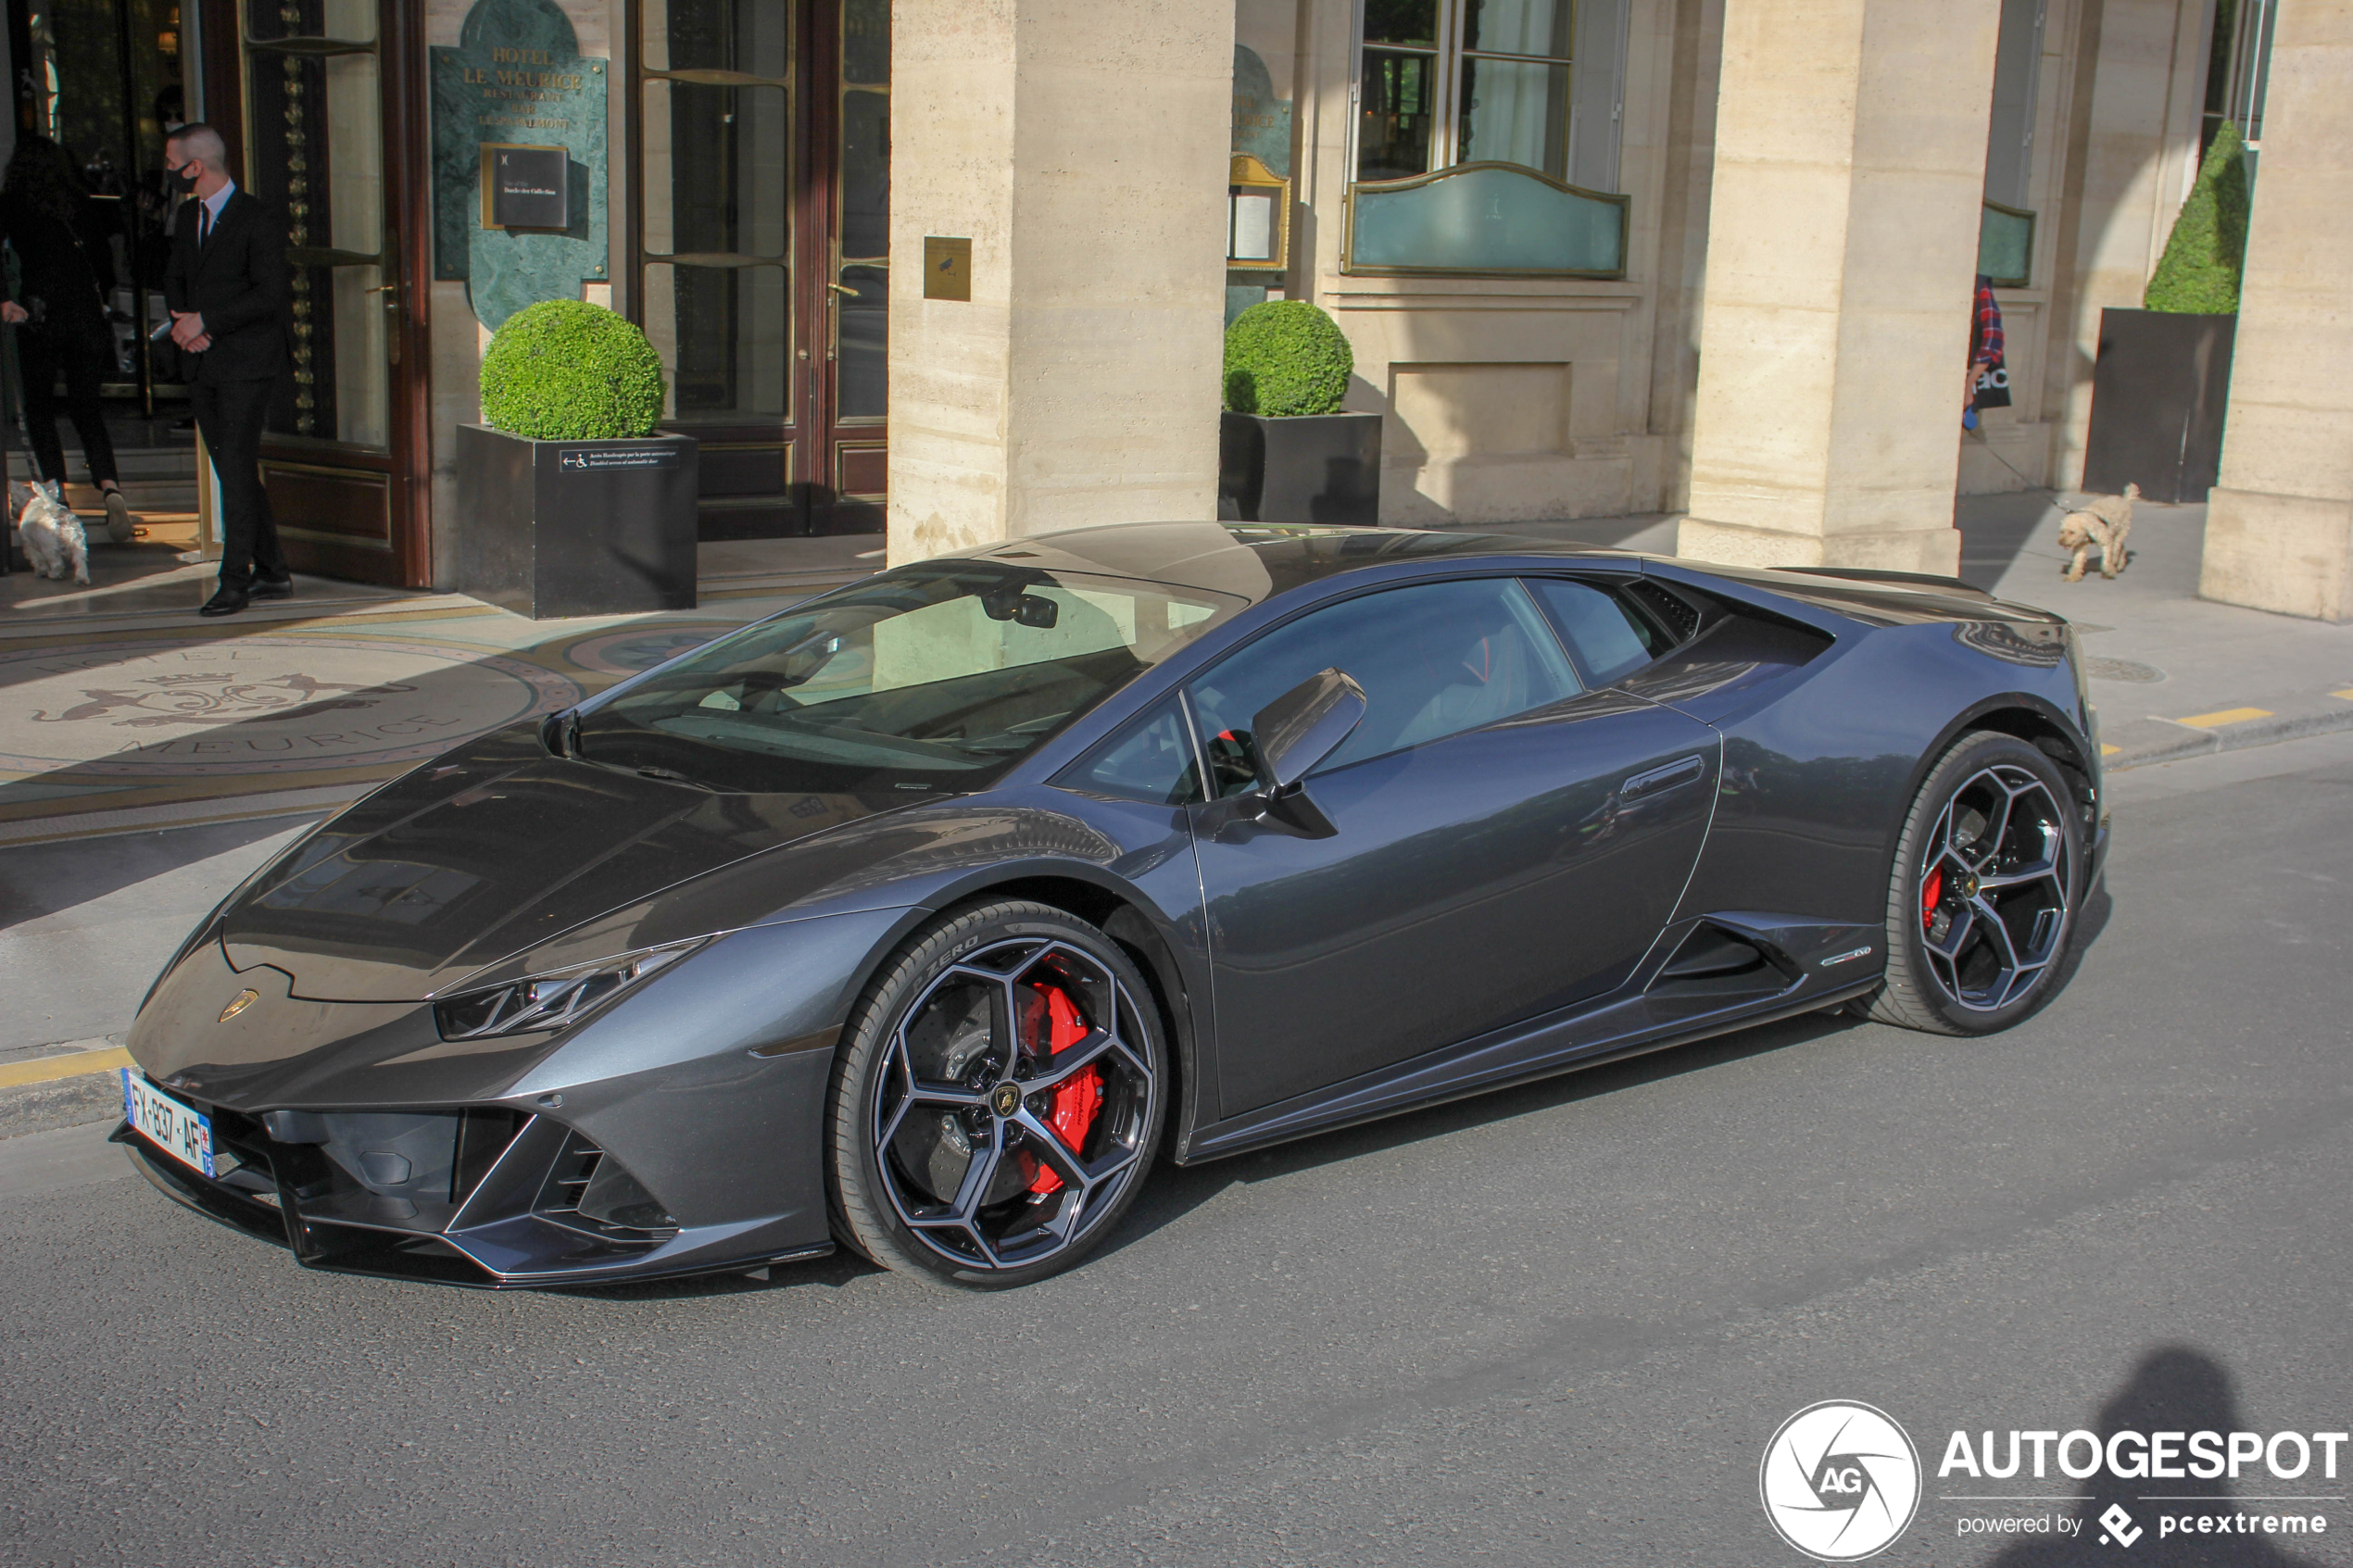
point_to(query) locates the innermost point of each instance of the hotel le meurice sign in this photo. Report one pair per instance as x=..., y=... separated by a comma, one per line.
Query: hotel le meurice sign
x=517, y=158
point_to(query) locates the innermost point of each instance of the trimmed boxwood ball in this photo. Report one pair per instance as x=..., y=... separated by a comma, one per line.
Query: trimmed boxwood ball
x=1284, y=358
x=564, y=370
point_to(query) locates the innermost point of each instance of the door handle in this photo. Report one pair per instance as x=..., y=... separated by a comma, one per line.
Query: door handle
x=391, y=292
x=1688, y=771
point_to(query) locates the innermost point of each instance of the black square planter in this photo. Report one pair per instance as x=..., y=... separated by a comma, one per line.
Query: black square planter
x=1315, y=468
x=2159, y=389
x=556, y=528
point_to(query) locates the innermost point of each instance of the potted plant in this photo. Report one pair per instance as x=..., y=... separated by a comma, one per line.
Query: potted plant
x=573, y=505
x=1285, y=451
x=2163, y=375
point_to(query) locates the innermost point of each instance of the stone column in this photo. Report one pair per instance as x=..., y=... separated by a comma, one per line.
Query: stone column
x=1082, y=146
x=1841, y=248
x=2279, y=527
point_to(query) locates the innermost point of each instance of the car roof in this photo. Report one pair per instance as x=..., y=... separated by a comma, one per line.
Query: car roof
x=1257, y=560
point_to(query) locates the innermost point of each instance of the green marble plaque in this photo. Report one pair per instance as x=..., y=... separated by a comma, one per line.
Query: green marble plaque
x=517, y=76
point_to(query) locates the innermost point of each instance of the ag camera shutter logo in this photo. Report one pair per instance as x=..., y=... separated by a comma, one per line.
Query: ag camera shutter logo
x=1839, y=1481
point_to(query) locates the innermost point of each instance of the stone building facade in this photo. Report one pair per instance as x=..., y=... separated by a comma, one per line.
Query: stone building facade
x=1709, y=257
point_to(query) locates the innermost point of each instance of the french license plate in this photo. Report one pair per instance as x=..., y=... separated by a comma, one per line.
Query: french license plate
x=180, y=1131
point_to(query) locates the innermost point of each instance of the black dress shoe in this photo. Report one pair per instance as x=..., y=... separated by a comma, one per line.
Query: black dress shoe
x=228, y=601
x=272, y=588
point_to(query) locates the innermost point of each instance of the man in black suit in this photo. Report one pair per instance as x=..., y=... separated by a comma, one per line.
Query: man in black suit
x=226, y=286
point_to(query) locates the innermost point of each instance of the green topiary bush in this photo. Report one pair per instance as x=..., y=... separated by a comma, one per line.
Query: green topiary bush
x=564, y=370
x=1284, y=358
x=2199, y=273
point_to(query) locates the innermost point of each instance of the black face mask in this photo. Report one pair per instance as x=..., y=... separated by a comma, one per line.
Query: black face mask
x=184, y=177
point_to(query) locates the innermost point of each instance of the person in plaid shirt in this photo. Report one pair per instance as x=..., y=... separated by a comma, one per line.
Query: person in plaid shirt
x=1985, y=347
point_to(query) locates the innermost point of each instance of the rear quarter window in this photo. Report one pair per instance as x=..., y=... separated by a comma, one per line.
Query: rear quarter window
x=1608, y=637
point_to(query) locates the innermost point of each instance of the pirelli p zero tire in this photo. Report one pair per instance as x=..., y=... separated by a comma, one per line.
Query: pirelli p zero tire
x=996, y=1098
x=1989, y=874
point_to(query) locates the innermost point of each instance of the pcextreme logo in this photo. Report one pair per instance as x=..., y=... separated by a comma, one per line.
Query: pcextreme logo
x=1839, y=1481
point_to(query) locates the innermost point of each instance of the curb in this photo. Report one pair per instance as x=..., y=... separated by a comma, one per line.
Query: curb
x=2231, y=737
x=72, y=1064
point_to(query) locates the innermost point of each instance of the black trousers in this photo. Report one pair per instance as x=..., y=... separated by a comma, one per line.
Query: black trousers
x=42, y=359
x=229, y=415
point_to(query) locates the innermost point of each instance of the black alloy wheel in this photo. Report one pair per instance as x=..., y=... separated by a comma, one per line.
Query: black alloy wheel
x=996, y=1098
x=1987, y=879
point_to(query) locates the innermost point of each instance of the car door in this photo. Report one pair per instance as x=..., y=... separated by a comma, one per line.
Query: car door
x=1506, y=840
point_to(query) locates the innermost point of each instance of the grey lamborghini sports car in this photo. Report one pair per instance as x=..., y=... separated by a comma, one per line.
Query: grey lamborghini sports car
x=923, y=916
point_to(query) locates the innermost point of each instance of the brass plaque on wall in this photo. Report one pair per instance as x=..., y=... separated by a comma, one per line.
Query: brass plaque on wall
x=948, y=268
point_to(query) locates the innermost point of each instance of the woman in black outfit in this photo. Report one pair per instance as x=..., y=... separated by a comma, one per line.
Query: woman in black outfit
x=60, y=306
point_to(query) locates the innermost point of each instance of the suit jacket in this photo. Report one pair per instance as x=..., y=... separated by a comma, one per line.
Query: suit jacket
x=236, y=279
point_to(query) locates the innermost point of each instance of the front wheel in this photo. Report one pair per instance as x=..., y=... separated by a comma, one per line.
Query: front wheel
x=996, y=1098
x=1988, y=875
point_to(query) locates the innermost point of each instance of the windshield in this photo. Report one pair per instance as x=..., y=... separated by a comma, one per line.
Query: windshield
x=937, y=676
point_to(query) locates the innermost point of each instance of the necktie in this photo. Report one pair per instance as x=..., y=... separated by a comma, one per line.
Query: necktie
x=204, y=223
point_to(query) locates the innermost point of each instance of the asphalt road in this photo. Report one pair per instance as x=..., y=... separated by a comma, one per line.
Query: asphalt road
x=1552, y=1326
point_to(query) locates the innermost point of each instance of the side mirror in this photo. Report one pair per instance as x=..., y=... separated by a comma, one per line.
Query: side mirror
x=1305, y=726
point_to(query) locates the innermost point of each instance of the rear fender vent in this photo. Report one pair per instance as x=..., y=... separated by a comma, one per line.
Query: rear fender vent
x=1679, y=615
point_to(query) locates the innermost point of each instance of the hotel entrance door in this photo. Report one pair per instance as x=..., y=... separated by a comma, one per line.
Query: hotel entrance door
x=759, y=203
x=322, y=104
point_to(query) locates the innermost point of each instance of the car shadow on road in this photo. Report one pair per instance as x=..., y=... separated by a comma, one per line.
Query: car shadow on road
x=1175, y=1191
x=2174, y=1388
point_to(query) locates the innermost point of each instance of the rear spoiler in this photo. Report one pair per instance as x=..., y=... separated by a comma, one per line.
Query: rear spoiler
x=1910, y=579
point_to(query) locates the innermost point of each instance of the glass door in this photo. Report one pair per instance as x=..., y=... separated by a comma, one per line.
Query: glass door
x=718, y=105
x=858, y=263
x=101, y=78
x=326, y=84
x=758, y=253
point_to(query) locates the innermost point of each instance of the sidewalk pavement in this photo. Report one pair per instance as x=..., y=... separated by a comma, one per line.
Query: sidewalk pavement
x=2173, y=675
x=147, y=761
x=121, y=710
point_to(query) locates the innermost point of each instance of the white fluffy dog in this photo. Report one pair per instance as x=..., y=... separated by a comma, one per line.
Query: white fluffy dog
x=2103, y=524
x=52, y=535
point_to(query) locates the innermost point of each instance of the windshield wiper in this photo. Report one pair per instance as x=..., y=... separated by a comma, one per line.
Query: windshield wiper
x=667, y=775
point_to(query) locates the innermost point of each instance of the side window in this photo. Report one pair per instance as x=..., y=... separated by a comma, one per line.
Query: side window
x=1609, y=639
x=1150, y=760
x=1434, y=659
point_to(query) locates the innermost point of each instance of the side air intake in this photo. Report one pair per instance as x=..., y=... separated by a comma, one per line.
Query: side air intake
x=1714, y=962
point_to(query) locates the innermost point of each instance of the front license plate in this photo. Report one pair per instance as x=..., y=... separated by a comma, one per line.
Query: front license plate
x=181, y=1131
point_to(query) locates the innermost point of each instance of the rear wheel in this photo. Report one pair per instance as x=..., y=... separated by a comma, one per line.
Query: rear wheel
x=1987, y=879
x=996, y=1098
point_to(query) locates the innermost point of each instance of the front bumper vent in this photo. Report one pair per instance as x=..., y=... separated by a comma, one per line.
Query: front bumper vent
x=589, y=1190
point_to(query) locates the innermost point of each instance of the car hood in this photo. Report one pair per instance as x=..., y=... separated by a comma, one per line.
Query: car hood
x=486, y=854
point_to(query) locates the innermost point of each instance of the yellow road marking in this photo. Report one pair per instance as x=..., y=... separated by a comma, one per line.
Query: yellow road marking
x=2347, y=694
x=2227, y=716
x=2107, y=750
x=75, y=1064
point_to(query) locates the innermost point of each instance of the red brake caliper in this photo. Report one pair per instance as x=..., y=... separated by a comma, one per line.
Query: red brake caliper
x=1078, y=1098
x=1932, y=889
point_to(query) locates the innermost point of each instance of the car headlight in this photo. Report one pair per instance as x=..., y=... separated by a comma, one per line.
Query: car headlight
x=555, y=1000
